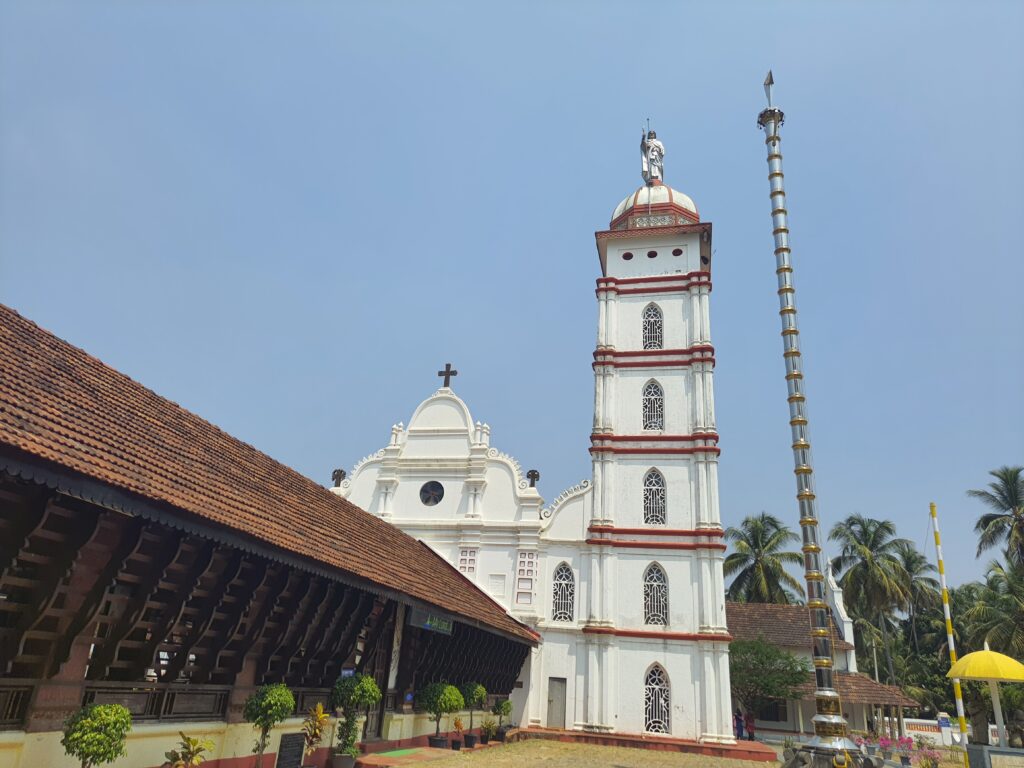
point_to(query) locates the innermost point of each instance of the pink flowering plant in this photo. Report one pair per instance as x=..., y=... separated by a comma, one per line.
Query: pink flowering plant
x=905, y=745
x=928, y=757
x=884, y=743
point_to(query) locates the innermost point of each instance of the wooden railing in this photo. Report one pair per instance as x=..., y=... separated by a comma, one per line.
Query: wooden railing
x=150, y=702
x=306, y=698
x=14, y=698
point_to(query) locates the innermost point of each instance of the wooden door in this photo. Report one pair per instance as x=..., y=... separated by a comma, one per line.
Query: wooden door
x=556, y=702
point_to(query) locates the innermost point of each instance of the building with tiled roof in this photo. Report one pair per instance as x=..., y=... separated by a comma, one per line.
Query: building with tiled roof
x=786, y=626
x=148, y=558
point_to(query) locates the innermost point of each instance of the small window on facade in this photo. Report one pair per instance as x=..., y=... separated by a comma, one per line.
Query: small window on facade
x=563, y=594
x=677, y=251
x=657, y=701
x=655, y=595
x=651, y=254
x=654, y=499
x=627, y=256
x=525, y=574
x=653, y=327
x=654, y=406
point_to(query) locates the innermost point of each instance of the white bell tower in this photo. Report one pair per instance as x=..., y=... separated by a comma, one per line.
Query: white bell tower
x=655, y=528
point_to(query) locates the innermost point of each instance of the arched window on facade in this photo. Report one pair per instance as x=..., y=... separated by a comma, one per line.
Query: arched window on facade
x=654, y=499
x=655, y=595
x=563, y=593
x=653, y=324
x=654, y=406
x=657, y=701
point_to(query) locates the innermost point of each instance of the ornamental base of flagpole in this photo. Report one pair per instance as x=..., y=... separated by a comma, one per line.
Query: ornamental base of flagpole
x=817, y=755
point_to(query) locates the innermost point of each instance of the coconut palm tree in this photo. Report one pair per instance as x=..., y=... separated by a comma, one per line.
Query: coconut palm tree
x=759, y=561
x=872, y=577
x=998, y=616
x=921, y=587
x=1005, y=523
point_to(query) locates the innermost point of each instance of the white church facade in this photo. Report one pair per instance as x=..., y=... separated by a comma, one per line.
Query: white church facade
x=621, y=575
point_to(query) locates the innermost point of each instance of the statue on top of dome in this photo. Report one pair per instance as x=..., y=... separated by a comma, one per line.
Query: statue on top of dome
x=652, y=157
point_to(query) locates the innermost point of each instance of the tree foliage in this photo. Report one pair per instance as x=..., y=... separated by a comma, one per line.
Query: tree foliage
x=475, y=696
x=761, y=672
x=269, y=706
x=1005, y=523
x=96, y=734
x=759, y=561
x=440, y=699
x=352, y=696
x=998, y=616
x=501, y=709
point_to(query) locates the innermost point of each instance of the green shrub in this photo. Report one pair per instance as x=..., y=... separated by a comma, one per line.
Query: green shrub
x=96, y=733
x=351, y=696
x=475, y=696
x=269, y=706
x=501, y=710
x=440, y=699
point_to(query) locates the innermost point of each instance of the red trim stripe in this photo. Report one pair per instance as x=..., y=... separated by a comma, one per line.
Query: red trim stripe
x=654, y=451
x=696, y=636
x=654, y=438
x=712, y=532
x=656, y=544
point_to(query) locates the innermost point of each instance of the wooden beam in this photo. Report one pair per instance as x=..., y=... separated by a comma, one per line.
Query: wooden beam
x=260, y=576
x=256, y=622
x=314, y=665
x=347, y=640
x=278, y=662
x=171, y=613
x=202, y=622
x=89, y=604
x=296, y=666
x=57, y=567
x=169, y=548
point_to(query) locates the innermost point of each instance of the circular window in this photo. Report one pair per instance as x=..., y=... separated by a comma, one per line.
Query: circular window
x=651, y=254
x=677, y=251
x=431, y=493
x=627, y=256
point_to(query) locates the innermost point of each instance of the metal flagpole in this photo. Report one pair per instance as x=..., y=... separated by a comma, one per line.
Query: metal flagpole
x=831, y=743
x=957, y=693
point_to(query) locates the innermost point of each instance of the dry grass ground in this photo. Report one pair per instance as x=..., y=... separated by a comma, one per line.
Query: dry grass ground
x=554, y=754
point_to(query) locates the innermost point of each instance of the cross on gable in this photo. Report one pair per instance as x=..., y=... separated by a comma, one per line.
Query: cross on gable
x=447, y=373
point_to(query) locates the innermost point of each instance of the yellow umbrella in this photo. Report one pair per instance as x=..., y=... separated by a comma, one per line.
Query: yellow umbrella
x=994, y=668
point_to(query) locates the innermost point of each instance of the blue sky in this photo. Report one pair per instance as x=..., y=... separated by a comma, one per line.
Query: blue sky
x=287, y=216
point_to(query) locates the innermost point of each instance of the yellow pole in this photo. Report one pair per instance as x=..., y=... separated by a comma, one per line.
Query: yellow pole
x=949, y=634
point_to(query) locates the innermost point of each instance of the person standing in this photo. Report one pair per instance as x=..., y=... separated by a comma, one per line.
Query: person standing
x=737, y=724
x=748, y=722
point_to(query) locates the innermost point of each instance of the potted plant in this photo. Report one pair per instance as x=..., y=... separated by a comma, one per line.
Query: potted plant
x=885, y=744
x=96, y=734
x=350, y=696
x=905, y=745
x=488, y=728
x=270, y=705
x=313, y=728
x=191, y=753
x=439, y=699
x=475, y=696
x=457, y=741
x=501, y=710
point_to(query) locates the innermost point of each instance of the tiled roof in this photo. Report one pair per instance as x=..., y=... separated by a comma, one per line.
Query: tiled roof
x=62, y=405
x=787, y=626
x=856, y=688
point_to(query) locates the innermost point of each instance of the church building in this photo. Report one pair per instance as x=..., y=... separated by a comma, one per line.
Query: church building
x=621, y=574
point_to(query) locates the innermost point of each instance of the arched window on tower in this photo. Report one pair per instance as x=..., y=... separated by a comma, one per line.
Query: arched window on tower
x=657, y=701
x=653, y=324
x=654, y=405
x=655, y=595
x=563, y=593
x=654, y=498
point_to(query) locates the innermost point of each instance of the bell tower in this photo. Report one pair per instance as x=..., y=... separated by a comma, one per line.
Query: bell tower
x=655, y=528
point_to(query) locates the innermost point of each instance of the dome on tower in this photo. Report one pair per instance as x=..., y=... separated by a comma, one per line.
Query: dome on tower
x=654, y=205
